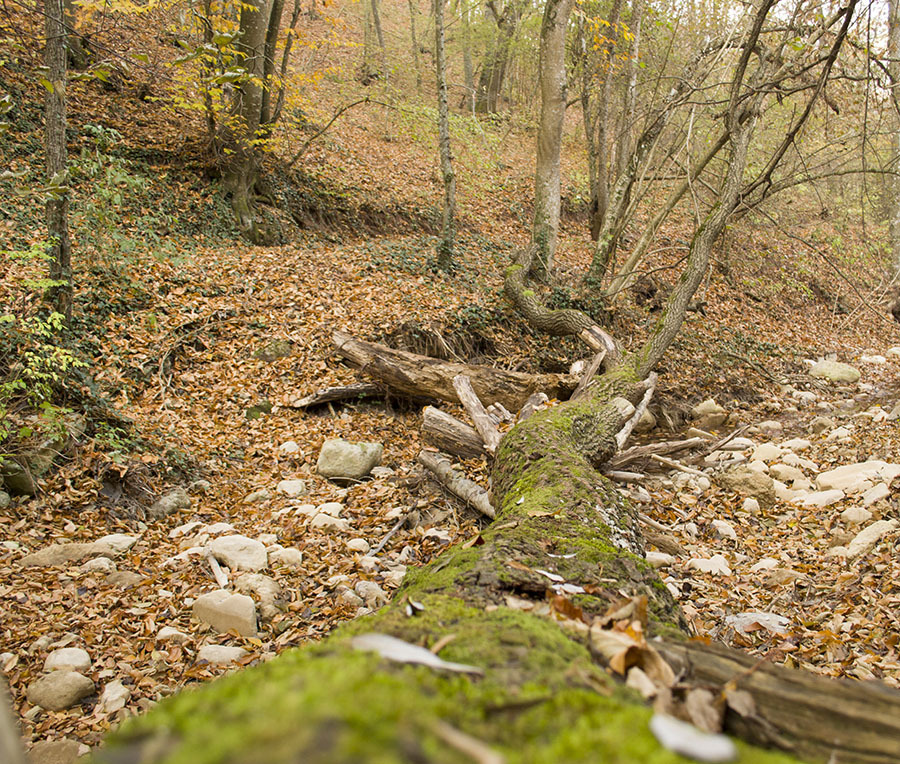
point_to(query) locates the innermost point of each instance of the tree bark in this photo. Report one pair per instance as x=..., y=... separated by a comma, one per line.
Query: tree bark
x=894, y=70
x=415, y=44
x=545, y=230
x=57, y=206
x=272, y=30
x=448, y=219
x=242, y=132
x=446, y=433
x=496, y=59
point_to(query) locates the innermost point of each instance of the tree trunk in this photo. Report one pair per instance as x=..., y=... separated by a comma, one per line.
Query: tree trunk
x=243, y=164
x=623, y=150
x=496, y=59
x=57, y=207
x=415, y=44
x=468, y=69
x=604, y=167
x=79, y=56
x=545, y=229
x=274, y=27
x=379, y=34
x=448, y=221
x=894, y=69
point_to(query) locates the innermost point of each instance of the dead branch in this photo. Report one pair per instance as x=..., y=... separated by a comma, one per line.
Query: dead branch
x=461, y=487
x=475, y=409
x=343, y=393
x=448, y=434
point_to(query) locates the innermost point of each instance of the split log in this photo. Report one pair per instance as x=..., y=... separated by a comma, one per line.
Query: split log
x=446, y=433
x=422, y=377
x=645, y=452
x=460, y=486
x=343, y=393
x=476, y=410
x=815, y=717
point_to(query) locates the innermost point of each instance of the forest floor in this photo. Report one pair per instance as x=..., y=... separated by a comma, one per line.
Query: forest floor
x=177, y=350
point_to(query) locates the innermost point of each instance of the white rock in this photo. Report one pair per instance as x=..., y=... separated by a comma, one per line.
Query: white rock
x=373, y=595
x=856, y=515
x=839, y=435
x=750, y=505
x=358, y=545
x=393, y=578
x=851, y=477
x=329, y=523
x=759, y=466
x=342, y=460
x=770, y=426
x=266, y=590
x=239, y=552
x=68, y=659
x=225, y=611
x=216, y=529
x=305, y=509
x=823, y=498
x=660, y=559
x=99, y=565
x=350, y=597
x=702, y=483
x=876, y=359
x=738, y=444
x=59, y=690
x=267, y=539
x=866, y=539
x=114, y=697
x=292, y=488
x=368, y=564
x=171, y=634
x=893, y=352
x=836, y=551
x=333, y=508
x=173, y=501
x=766, y=452
x=183, y=530
x=263, y=494
x=114, y=545
x=783, y=493
x=875, y=493
x=785, y=472
x=289, y=447
x=220, y=655
x=834, y=372
x=797, y=444
x=717, y=565
x=766, y=563
x=286, y=556
x=805, y=397
x=724, y=529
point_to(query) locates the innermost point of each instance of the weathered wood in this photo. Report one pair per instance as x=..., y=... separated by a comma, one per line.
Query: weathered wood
x=423, y=377
x=476, y=410
x=461, y=487
x=817, y=717
x=448, y=434
x=343, y=393
x=531, y=405
x=623, y=434
x=645, y=452
x=592, y=368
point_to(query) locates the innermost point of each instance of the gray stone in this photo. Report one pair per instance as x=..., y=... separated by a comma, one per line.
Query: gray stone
x=866, y=539
x=171, y=634
x=113, y=545
x=823, y=498
x=646, y=423
x=263, y=494
x=373, y=595
x=350, y=597
x=220, y=655
x=834, y=371
x=114, y=697
x=124, y=579
x=289, y=447
x=856, y=515
x=225, y=612
x=821, y=423
x=4, y=500
x=329, y=523
x=748, y=482
x=358, y=545
x=239, y=552
x=68, y=659
x=266, y=590
x=200, y=486
x=59, y=690
x=875, y=493
x=169, y=503
x=771, y=426
x=859, y=477
x=333, y=508
x=341, y=460
x=99, y=565
x=64, y=751
x=286, y=556
x=785, y=472
x=839, y=435
x=292, y=488
x=766, y=452
x=57, y=554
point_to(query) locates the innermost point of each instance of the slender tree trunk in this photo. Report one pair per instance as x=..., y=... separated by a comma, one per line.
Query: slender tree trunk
x=545, y=230
x=285, y=60
x=413, y=12
x=894, y=69
x=241, y=172
x=79, y=54
x=376, y=19
x=468, y=69
x=448, y=224
x=587, y=113
x=57, y=207
x=207, y=71
x=274, y=27
x=624, y=148
x=496, y=60
x=604, y=165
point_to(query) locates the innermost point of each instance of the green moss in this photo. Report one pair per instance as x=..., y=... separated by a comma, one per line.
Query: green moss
x=540, y=700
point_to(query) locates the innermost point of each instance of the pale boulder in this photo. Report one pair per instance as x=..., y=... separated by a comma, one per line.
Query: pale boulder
x=226, y=612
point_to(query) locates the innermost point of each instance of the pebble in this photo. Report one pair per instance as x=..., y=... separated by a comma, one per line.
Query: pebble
x=358, y=545
x=239, y=552
x=220, y=655
x=114, y=697
x=292, y=488
x=59, y=690
x=171, y=634
x=68, y=659
x=286, y=556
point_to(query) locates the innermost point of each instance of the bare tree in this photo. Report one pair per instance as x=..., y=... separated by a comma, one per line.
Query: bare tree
x=448, y=224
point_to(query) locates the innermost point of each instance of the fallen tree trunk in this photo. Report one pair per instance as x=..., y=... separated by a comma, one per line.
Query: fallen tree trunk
x=423, y=377
x=448, y=434
x=564, y=539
